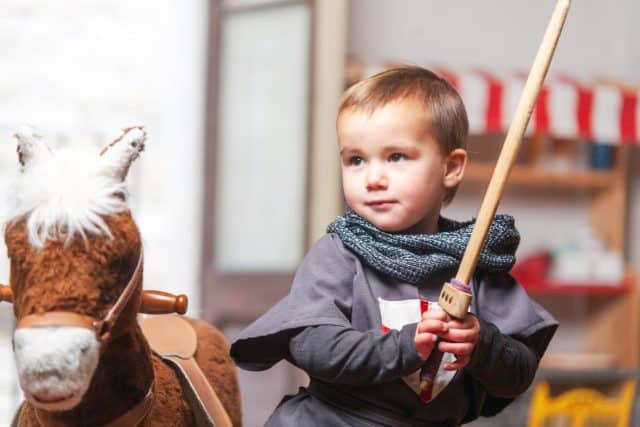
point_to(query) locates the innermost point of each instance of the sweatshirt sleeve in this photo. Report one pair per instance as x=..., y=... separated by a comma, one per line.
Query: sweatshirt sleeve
x=342, y=355
x=514, y=334
x=503, y=365
x=321, y=294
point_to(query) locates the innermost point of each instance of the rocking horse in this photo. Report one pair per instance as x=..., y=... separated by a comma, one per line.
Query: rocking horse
x=76, y=285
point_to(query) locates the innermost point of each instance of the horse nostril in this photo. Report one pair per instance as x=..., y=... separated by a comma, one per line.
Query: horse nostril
x=84, y=349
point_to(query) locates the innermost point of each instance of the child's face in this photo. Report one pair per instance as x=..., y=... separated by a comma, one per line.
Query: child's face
x=393, y=171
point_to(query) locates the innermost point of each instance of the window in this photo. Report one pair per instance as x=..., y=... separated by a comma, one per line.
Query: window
x=256, y=155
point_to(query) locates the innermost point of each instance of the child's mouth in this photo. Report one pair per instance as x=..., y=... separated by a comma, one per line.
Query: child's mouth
x=380, y=205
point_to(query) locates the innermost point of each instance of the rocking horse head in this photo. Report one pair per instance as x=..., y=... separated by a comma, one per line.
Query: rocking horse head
x=76, y=264
x=76, y=285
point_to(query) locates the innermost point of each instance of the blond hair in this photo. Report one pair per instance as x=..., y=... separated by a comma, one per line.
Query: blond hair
x=445, y=112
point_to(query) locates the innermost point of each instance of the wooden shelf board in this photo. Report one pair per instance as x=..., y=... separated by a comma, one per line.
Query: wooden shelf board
x=568, y=361
x=588, y=374
x=534, y=176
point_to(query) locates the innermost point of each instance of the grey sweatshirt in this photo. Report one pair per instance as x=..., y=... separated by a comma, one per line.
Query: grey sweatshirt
x=351, y=329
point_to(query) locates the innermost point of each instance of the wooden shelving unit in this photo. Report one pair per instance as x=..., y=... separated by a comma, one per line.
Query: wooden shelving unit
x=536, y=176
x=611, y=321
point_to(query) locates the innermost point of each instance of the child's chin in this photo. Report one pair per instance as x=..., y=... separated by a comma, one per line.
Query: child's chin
x=388, y=221
x=389, y=226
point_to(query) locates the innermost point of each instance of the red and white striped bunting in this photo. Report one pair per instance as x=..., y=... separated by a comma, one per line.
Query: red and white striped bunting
x=566, y=107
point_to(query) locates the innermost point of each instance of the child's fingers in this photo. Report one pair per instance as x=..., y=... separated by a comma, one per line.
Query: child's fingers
x=460, y=363
x=424, y=344
x=466, y=330
x=468, y=322
x=460, y=335
x=436, y=314
x=459, y=349
x=425, y=339
x=432, y=325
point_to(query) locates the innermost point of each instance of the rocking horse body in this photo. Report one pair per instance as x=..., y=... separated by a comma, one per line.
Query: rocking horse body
x=76, y=264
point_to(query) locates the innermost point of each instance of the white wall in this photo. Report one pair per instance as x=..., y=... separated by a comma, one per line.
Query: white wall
x=599, y=39
x=80, y=71
x=185, y=135
x=113, y=64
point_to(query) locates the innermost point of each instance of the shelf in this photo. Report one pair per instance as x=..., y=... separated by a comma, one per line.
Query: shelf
x=598, y=338
x=587, y=374
x=534, y=176
x=550, y=287
x=575, y=361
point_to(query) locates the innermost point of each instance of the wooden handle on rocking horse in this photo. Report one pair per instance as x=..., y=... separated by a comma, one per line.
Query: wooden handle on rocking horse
x=159, y=302
x=152, y=302
x=5, y=293
x=455, y=297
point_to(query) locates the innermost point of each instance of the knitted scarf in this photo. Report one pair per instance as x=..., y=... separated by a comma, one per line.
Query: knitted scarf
x=413, y=257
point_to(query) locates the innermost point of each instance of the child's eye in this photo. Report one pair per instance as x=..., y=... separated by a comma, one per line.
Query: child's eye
x=397, y=157
x=356, y=161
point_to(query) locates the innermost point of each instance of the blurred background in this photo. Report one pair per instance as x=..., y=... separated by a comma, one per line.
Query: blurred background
x=241, y=174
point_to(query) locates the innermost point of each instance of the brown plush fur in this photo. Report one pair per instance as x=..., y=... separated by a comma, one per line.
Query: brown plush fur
x=87, y=277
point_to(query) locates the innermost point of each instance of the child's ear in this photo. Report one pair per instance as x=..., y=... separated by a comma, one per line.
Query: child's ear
x=455, y=164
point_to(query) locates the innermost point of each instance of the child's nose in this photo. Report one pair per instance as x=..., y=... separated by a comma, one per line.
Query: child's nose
x=376, y=178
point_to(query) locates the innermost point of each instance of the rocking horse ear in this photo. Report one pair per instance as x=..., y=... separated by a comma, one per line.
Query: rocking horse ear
x=116, y=158
x=30, y=146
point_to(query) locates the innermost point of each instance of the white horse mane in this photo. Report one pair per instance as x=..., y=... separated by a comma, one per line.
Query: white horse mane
x=65, y=193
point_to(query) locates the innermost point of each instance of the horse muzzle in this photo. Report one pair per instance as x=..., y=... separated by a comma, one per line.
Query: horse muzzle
x=55, y=364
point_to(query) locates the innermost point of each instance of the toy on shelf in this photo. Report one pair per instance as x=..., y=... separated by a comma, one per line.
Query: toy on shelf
x=581, y=407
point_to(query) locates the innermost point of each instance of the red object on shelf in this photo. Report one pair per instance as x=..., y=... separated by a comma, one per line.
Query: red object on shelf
x=532, y=268
x=532, y=274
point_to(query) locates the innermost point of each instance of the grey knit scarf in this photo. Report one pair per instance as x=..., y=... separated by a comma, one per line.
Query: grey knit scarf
x=413, y=257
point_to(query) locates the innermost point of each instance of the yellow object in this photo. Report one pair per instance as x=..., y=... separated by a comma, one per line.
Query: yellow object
x=581, y=407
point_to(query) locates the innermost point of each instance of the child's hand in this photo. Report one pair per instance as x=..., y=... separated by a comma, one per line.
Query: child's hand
x=432, y=325
x=460, y=339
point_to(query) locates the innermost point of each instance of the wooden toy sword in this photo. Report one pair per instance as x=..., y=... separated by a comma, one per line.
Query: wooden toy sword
x=455, y=296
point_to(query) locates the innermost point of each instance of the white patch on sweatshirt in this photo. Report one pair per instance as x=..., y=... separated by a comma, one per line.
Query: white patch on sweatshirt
x=398, y=313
